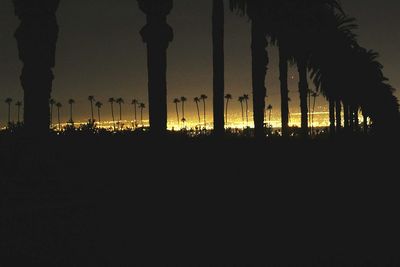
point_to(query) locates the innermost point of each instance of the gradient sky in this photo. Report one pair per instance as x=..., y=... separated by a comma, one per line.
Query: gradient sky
x=101, y=53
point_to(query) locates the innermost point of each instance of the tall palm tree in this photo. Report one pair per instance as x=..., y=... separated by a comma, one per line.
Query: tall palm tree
x=257, y=13
x=59, y=106
x=314, y=95
x=269, y=108
x=183, y=100
x=218, y=65
x=176, y=102
x=8, y=101
x=37, y=37
x=52, y=102
x=141, y=106
x=111, y=100
x=246, y=101
x=157, y=35
x=71, y=102
x=197, y=101
x=228, y=97
x=91, y=100
x=204, y=98
x=241, y=99
x=19, y=105
x=98, y=106
x=120, y=101
x=135, y=103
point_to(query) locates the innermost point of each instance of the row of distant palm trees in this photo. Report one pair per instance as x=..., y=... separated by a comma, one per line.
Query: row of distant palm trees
x=98, y=105
x=18, y=104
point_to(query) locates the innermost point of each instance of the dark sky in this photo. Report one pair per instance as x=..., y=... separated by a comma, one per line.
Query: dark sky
x=101, y=53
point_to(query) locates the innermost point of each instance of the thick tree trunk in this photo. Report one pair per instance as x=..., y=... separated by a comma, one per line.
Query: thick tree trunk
x=332, y=116
x=157, y=34
x=37, y=37
x=303, y=89
x=218, y=65
x=283, y=77
x=260, y=62
x=338, y=116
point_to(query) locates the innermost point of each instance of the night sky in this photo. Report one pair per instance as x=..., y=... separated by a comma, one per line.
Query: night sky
x=100, y=52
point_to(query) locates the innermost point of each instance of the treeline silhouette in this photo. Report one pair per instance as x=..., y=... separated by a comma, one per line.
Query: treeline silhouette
x=316, y=36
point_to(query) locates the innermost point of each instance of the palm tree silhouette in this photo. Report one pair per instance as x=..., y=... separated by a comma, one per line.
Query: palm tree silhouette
x=141, y=106
x=246, y=99
x=314, y=95
x=52, y=102
x=71, y=102
x=204, y=98
x=91, y=100
x=98, y=106
x=8, y=101
x=19, y=105
x=135, y=102
x=228, y=97
x=256, y=11
x=36, y=38
x=176, y=102
x=59, y=106
x=269, y=108
x=120, y=101
x=183, y=100
x=241, y=99
x=218, y=65
x=197, y=101
x=111, y=100
x=157, y=35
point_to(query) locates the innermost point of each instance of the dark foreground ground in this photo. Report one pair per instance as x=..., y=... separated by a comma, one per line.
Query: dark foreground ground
x=115, y=201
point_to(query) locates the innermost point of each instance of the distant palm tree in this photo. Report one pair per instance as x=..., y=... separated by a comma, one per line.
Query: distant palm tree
x=135, y=102
x=120, y=101
x=71, y=102
x=309, y=93
x=59, y=106
x=52, y=103
x=98, y=106
x=8, y=102
x=228, y=97
x=183, y=100
x=269, y=108
x=141, y=106
x=111, y=100
x=176, y=102
x=241, y=99
x=314, y=95
x=204, y=98
x=91, y=100
x=197, y=101
x=246, y=100
x=19, y=105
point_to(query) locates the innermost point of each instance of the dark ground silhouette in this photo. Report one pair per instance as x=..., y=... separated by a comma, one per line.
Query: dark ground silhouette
x=119, y=200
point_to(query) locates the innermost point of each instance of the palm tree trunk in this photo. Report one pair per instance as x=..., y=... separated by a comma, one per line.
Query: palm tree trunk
x=98, y=113
x=218, y=65
x=260, y=61
x=141, y=117
x=312, y=116
x=356, y=119
x=135, y=107
x=303, y=89
x=338, y=116
x=91, y=109
x=331, y=116
x=37, y=37
x=177, y=113
x=226, y=111
x=58, y=117
x=112, y=115
x=9, y=114
x=198, y=112
x=283, y=77
x=241, y=105
x=269, y=118
x=157, y=34
x=204, y=107
x=247, y=113
x=70, y=112
x=183, y=110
